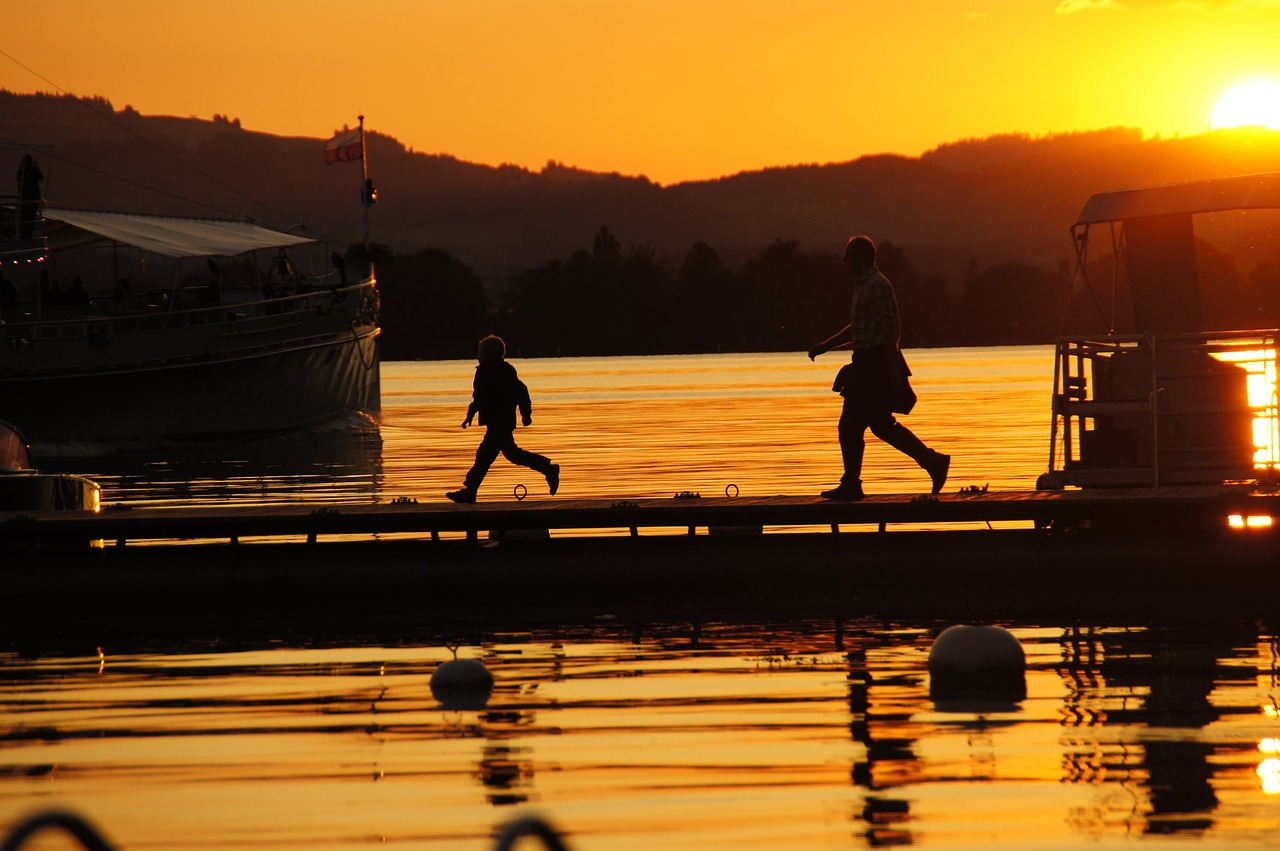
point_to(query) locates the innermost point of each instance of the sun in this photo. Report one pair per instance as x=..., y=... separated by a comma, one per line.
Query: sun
x=1252, y=104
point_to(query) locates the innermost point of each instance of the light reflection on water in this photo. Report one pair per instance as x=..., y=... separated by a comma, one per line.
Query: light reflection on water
x=738, y=735
x=624, y=427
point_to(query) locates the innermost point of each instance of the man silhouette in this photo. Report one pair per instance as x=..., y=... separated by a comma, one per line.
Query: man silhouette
x=872, y=333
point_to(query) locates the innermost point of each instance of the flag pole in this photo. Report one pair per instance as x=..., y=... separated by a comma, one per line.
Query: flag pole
x=367, y=195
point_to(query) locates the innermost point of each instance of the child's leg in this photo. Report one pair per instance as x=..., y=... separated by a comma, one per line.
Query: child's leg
x=525, y=458
x=492, y=444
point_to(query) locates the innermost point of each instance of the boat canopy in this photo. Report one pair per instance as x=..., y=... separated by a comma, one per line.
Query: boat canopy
x=171, y=236
x=1245, y=192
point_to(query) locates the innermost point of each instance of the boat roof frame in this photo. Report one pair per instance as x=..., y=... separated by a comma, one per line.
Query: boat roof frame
x=1214, y=195
x=171, y=236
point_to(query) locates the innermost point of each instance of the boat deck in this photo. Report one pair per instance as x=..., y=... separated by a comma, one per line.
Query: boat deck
x=1183, y=506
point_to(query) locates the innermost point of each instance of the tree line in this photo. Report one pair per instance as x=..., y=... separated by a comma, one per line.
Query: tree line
x=608, y=299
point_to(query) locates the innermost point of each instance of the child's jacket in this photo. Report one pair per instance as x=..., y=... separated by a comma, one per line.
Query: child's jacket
x=496, y=393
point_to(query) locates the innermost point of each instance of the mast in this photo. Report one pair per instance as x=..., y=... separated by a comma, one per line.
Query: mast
x=368, y=194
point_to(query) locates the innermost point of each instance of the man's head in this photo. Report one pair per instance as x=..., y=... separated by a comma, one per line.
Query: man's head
x=859, y=254
x=491, y=350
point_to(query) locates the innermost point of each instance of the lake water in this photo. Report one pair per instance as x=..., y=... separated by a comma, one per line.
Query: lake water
x=778, y=732
x=619, y=427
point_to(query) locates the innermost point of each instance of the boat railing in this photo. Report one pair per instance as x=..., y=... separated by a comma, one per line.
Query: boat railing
x=14, y=248
x=1152, y=410
x=143, y=314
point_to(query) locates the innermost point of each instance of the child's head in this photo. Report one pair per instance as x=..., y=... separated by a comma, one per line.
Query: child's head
x=491, y=350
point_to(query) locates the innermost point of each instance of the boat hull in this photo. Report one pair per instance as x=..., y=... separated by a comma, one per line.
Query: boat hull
x=27, y=490
x=271, y=391
x=230, y=370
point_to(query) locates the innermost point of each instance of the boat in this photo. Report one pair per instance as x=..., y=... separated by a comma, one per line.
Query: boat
x=122, y=327
x=25, y=489
x=1163, y=397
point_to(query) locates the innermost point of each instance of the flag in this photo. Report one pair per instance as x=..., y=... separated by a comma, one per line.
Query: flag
x=343, y=148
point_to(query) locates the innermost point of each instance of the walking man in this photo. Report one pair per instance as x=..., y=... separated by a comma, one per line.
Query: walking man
x=872, y=333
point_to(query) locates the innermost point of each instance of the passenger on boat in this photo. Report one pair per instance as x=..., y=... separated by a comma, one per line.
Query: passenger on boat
x=497, y=392
x=77, y=295
x=122, y=296
x=872, y=333
x=8, y=293
x=29, y=196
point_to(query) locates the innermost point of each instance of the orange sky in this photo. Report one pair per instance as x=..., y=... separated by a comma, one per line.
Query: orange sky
x=671, y=89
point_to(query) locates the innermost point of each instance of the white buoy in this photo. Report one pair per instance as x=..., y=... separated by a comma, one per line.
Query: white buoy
x=462, y=684
x=977, y=661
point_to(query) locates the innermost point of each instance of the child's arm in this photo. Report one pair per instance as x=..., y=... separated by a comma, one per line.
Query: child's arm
x=523, y=402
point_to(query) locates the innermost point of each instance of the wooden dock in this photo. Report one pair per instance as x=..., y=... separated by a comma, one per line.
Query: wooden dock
x=413, y=566
x=1067, y=509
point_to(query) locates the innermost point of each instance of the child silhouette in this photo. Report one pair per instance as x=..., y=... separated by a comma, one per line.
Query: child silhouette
x=496, y=394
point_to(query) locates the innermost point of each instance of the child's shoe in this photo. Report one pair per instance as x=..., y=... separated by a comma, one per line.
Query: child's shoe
x=465, y=496
x=553, y=479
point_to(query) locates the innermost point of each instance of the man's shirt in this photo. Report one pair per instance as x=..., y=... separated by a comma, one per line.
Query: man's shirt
x=873, y=299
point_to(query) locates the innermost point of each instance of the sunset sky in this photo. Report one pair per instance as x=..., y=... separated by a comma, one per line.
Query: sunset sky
x=671, y=89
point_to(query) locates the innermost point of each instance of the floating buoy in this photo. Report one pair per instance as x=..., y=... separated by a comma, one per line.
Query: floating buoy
x=977, y=662
x=462, y=684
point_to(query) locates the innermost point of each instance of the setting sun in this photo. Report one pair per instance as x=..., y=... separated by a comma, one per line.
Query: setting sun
x=1252, y=104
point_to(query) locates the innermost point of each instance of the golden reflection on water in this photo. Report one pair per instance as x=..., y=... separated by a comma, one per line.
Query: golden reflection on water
x=683, y=736
x=623, y=427
x=655, y=426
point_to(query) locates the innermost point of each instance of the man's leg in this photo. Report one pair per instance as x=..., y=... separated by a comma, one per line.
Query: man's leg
x=901, y=438
x=853, y=444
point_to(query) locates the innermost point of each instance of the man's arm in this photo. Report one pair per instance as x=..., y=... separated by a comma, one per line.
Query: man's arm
x=839, y=340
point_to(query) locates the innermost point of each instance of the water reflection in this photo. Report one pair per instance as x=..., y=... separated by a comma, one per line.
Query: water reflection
x=619, y=427
x=755, y=735
x=340, y=462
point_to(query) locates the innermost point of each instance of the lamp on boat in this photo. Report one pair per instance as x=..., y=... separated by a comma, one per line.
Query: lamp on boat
x=1241, y=521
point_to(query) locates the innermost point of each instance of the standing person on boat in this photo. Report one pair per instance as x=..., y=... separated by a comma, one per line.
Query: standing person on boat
x=873, y=331
x=29, y=197
x=496, y=394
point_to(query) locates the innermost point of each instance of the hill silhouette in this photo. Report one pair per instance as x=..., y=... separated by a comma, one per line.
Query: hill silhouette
x=952, y=215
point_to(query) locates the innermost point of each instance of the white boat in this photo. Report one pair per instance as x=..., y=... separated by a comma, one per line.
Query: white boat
x=125, y=327
x=1162, y=396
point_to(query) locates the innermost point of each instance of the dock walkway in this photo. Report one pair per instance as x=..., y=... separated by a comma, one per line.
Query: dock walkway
x=425, y=565
x=682, y=514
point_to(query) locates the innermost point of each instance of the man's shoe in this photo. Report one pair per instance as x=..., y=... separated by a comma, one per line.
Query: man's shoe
x=553, y=478
x=845, y=493
x=938, y=470
x=464, y=496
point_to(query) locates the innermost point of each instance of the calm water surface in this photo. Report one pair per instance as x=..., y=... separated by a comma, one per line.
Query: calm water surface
x=781, y=735
x=789, y=734
x=619, y=427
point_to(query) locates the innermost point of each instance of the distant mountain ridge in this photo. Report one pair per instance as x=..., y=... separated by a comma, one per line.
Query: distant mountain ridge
x=1000, y=199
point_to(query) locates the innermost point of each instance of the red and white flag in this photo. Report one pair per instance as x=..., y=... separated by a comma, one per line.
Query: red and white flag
x=344, y=148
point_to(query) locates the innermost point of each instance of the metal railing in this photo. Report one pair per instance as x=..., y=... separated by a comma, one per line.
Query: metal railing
x=1163, y=409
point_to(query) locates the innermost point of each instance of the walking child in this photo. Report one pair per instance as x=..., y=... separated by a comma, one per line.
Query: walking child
x=496, y=394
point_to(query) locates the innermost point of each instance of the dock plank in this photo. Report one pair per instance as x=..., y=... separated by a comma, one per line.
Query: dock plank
x=1176, y=505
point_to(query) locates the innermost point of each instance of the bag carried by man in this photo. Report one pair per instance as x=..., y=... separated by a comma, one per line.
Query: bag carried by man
x=895, y=384
x=901, y=397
